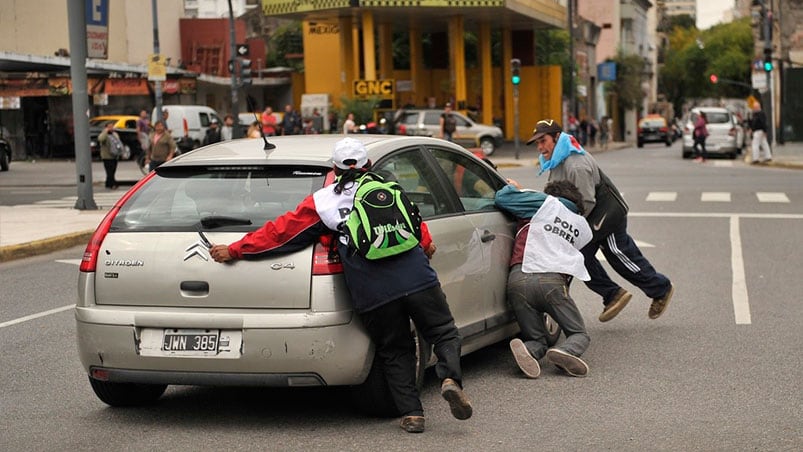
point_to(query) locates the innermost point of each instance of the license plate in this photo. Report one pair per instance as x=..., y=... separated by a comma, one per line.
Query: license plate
x=201, y=341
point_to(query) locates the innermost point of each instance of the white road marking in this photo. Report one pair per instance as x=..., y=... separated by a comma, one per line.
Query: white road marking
x=663, y=196
x=715, y=196
x=771, y=197
x=37, y=315
x=741, y=305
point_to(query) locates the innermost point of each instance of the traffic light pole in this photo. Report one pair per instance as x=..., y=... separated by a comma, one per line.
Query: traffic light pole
x=516, y=119
x=768, y=69
x=233, y=67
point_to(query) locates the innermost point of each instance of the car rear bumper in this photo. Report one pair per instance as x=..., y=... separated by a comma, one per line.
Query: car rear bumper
x=325, y=349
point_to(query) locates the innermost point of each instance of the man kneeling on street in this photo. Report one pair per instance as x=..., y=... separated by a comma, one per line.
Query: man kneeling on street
x=546, y=254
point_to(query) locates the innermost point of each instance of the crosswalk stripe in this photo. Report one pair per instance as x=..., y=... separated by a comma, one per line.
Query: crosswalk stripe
x=772, y=197
x=662, y=196
x=715, y=196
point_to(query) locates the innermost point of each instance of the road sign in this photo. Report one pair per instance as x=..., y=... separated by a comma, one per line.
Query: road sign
x=759, y=80
x=242, y=50
x=157, y=68
x=97, y=29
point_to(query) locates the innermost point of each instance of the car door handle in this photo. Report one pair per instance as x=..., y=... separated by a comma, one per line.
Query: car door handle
x=487, y=236
x=194, y=288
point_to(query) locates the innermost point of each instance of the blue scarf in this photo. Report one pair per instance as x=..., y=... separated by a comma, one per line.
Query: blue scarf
x=566, y=145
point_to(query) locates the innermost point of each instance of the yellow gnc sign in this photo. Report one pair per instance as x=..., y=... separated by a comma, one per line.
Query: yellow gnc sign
x=380, y=88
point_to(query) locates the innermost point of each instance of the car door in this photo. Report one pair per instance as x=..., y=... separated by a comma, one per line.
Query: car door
x=487, y=257
x=464, y=134
x=459, y=259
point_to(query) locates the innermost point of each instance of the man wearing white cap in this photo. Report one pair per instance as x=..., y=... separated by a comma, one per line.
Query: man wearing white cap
x=386, y=292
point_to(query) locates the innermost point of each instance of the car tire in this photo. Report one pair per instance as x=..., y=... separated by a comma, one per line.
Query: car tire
x=126, y=394
x=686, y=153
x=372, y=397
x=552, y=329
x=5, y=162
x=487, y=146
x=423, y=359
x=639, y=144
x=668, y=142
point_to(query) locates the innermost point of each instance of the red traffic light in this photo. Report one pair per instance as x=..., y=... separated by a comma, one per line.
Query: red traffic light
x=714, y=79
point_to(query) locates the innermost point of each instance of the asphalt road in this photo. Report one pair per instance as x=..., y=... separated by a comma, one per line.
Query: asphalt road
x=702, y=377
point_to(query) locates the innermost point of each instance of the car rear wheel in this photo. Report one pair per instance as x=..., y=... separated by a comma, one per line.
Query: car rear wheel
x=372, y=397
x=553, y=330
x=640, y=144
x=487, y=146
x=5, y=162
x=126, y=394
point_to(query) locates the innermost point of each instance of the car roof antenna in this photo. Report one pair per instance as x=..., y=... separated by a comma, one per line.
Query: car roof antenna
x=268, y=146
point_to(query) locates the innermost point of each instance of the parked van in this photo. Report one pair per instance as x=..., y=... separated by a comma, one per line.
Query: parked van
x=188, y=120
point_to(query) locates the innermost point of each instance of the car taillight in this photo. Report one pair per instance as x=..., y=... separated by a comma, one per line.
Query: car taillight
x=664, y=129
x=89, y=262
x=326, y=260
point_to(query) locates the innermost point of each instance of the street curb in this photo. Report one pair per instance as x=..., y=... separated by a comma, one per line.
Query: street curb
x=44, y=246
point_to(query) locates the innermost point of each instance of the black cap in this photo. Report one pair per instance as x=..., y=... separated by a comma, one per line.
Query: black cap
x=544, y=127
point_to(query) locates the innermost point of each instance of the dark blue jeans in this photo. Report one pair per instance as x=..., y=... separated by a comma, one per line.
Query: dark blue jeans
x=699, y=147
x=626, y=259
x=389, y=328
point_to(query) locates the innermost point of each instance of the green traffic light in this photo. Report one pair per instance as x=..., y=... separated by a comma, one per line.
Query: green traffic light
x=768, y=66
x=516, y=79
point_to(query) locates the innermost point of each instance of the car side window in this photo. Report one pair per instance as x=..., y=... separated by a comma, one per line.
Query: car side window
x=409, y=119
x=461, y=121
x=131, y=124
x=432, y=118
x=472, y=180
x=204, y=119
x=418, y=180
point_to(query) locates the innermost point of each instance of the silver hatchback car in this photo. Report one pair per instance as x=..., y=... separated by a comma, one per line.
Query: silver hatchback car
x=725, y=134
x=154, y=310
x=468, y=133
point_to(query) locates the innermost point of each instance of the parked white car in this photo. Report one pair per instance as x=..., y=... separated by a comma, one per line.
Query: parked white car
x=468, y=133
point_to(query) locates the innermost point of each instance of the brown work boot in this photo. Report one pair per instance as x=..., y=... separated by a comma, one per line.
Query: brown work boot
x=527, y=363
x=616, y=305
x=659, y=305
x=569, y=363
x=412, y=424
x=458, y=401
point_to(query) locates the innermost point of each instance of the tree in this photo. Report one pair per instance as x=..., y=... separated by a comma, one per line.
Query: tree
x=552, y=48
x=627, y=87
x=286, y=41
x=693, y=55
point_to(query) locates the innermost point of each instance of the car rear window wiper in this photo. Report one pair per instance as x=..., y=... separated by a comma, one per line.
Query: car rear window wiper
x=216, y=221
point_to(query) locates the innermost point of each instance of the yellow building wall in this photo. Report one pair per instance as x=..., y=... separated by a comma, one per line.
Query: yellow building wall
x=540, y=97
x=322, y=69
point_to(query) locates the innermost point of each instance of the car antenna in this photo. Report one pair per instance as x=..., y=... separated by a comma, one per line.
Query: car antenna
x=268, y=146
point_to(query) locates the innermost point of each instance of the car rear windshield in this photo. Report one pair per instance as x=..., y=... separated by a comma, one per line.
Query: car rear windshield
x=716, y=117
x=222, y=199
x=653, y=123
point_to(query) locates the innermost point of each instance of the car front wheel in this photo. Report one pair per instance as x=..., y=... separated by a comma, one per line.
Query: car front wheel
x=487, y=146
x=126, y=394
x=5, y=162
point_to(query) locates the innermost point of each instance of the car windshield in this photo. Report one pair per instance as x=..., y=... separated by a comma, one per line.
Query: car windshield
x=238, y=199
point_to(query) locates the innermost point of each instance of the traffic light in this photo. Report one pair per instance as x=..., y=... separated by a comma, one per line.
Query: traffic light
x=714, y=79
x=245, y=71
x=767, y=60
x=515, y=71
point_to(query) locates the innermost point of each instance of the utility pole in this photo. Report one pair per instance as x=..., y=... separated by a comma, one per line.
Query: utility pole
x=234, y=65
x=157, y=84
x=76, y=19
x=572, y=89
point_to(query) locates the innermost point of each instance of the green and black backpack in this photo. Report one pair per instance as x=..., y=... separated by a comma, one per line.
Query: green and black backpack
x=383, y=222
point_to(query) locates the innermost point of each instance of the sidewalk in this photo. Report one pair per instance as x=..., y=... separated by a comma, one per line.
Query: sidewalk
x=31, y=230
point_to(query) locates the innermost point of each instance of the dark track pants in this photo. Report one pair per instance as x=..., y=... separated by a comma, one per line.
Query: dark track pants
x=389, y=328
x=626, y=259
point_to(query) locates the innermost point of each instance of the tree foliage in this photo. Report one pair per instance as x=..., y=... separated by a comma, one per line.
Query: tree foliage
x=286, y=41
x=552, y=48
x=693, y=55
x=629, y=74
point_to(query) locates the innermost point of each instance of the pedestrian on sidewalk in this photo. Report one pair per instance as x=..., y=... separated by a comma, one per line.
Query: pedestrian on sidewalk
x=109, y=139
x=386, y=292
x=758, y=126
x=700, y=133
x=565, y=159
x=163, y=147
x=546, y=255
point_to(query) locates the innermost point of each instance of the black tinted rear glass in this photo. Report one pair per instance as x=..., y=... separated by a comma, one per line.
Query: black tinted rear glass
x=177, y=199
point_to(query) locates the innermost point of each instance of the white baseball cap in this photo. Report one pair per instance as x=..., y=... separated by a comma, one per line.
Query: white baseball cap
x=349, y=153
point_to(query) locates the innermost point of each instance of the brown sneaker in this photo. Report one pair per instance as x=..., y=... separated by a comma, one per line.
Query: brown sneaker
x=524, y=359
x=412, y=424
x=659, y=305
x=613, y=308
x=458, y=401
x=570, y=364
